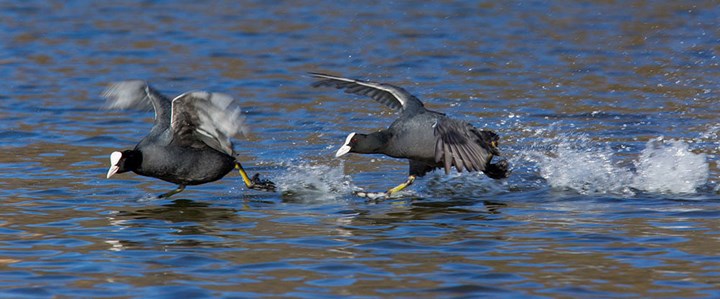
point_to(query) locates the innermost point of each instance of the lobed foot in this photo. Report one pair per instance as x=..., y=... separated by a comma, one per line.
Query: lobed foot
x=372, y=195
x=262, y=184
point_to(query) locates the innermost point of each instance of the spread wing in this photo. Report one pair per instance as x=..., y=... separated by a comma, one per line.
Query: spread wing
x=389, y=95
x=461, y=145
x=137, y=94
x=211, y=118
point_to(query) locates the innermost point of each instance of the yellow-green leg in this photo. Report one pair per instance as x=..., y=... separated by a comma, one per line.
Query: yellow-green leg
x=402, y=186
x=254, y=183
x=171, y=193
x=380, y=195
x=243, y=174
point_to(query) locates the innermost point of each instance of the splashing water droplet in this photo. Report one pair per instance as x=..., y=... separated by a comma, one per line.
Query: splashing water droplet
x=670, y=167
x=570, y=165
x=573, y=163
x=306, y=182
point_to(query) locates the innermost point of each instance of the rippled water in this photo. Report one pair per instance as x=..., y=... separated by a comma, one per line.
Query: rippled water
x=608, y=112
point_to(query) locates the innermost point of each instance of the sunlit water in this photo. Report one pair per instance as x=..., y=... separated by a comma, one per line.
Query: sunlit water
x=608, y=113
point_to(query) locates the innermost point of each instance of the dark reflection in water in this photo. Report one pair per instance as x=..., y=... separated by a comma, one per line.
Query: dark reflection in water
x=607, y=111
x=181, y=210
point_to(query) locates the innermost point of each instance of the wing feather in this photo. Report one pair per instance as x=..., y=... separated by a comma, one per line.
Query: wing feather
x=392, y=96
x=447, y=157
x=137, y=94
x=460, y=145
x=209, y=117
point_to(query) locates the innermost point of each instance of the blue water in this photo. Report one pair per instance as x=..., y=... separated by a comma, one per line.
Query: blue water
x=608, y=112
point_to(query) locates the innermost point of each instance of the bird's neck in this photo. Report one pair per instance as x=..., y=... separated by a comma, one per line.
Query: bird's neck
x=133, y=160
x=378, y=141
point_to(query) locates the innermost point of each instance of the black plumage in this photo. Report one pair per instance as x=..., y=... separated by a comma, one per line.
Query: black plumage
x=428, y=139
x=189, y=143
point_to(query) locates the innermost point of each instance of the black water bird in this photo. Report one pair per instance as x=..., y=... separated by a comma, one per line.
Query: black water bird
x=189, y=143
x=428, y=139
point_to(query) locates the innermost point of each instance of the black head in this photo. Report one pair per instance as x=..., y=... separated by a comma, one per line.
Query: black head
x=362, y=144
x=124, y=161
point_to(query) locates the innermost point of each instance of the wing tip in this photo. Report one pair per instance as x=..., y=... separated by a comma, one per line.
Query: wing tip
x=120, y=95
x=322, y=75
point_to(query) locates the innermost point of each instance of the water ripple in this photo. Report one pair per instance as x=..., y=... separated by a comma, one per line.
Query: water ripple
x=607, y=112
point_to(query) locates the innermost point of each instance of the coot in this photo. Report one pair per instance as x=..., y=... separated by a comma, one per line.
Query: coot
x=189, y=143
x=428, y=139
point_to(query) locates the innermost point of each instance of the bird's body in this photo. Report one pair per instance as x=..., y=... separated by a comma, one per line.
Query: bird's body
x=411, y=137
x=428, y=139
x=189, y=143
x=157, y=163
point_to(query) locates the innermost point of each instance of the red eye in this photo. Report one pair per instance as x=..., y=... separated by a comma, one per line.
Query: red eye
x=353, y=140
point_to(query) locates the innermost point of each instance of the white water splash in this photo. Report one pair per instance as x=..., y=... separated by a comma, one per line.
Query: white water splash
x=670, y=167
x=662, y=167
x=711, y=133
x=571, y=165
x=304, y=181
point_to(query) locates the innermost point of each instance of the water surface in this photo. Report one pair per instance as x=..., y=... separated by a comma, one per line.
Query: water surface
x=608, y=113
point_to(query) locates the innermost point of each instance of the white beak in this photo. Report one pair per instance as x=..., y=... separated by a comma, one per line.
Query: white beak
x=113, y=169
x=114, y=160
x=346, y=146
x=342, y=150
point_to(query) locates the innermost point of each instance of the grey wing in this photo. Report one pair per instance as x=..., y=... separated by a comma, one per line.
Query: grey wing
x=137, y=94
x=209, y=117
x=461, y=145
x=392, y=96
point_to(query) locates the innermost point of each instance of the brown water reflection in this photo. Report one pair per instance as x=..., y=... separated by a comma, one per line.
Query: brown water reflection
x=577, y=250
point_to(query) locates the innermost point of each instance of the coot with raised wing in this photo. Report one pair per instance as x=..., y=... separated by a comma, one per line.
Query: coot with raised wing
x=428, y=139
x=189, y=143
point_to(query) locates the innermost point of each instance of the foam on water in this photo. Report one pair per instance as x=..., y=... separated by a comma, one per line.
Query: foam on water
x=575, y=163
x=305, y=181
x=670, y=167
